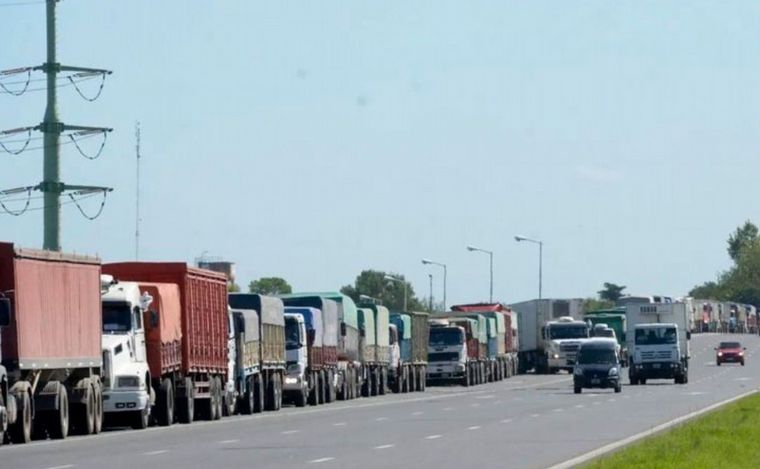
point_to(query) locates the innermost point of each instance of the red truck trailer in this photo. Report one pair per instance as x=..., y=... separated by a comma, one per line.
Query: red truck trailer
x=50, y=313
x=198, y=379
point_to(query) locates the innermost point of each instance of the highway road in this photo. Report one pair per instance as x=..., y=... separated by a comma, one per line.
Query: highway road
x=523, y=422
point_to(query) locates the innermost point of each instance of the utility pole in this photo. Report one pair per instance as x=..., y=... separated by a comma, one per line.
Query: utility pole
x=51, y=127
x=137, y=198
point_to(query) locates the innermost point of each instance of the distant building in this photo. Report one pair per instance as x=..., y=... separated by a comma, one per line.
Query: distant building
x=217, y=265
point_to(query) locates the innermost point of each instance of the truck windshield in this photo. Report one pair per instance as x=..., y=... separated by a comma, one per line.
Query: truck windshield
x=596, y=356
x=658, y=336
x=292, y=337
x=557, y=331
x=445, y=336
x=116, y=318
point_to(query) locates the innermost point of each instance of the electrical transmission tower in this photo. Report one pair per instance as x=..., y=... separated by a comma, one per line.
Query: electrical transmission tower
x=52, y=129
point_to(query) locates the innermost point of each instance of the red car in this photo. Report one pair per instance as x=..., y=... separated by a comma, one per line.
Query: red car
x=730, y=352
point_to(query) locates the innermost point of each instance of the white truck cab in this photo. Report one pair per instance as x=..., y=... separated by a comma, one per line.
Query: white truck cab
x=297, y=382
x=447, y=352
x=658, y=342
x=127, y=391
x=563, y=339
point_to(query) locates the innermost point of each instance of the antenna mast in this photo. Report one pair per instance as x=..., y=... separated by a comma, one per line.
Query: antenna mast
x=137, y=195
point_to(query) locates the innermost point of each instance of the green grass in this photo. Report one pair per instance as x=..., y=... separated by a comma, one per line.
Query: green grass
x=725, y=438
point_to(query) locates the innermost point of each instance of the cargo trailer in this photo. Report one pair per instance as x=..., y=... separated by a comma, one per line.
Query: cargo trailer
x=408, y=373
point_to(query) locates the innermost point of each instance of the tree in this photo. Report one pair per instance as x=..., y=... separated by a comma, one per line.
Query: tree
x=707, y=291
x=233, y=287
x=592, y=304
x=611, y=292
x=373, y=283
x=743, y=238
x=270, y=286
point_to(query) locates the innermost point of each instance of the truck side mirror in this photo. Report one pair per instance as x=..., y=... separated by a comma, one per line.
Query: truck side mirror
x=343, y=329
x=5, y=312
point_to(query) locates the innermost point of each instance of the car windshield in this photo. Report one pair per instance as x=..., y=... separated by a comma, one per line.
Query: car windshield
x=729, y=345
x=605, y=333
x=656, y=336
x=116, y=318
x=292, y=338
x=596, y=356
x=558, y=331
x=445, y=336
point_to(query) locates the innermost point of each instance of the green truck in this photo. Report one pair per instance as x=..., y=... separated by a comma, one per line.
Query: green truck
x=614, y=318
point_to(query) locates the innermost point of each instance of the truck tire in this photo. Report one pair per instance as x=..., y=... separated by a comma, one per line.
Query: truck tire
x=186, y=407
x=404, y=379
x=301, y=397
x=165, y=403
x=577, y=390
x=83, y=414
x=383, y=381
x=278, y=384
x=247, y=401
x=57, y=422
x=140, y=419
x=221, y=400
x=330, y=392
x=618, y=387
x=207, y=407
x=466, y=378
x=643, y=380
x=321, y=387
x=258, y=394
x=99, y=415
x=424, y=378
x=313, y=389
x=366, y=386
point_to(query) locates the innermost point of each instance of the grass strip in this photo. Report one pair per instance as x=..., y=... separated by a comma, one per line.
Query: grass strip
x=727, y=438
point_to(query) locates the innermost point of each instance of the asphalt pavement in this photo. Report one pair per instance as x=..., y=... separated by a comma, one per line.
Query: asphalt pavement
x=526, y=421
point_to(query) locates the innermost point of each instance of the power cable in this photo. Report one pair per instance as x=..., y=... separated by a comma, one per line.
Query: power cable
x=81, y=210
x=97, y=95
x=100, y=150
x=24, y=89
x=18, y=152
x=23, y=210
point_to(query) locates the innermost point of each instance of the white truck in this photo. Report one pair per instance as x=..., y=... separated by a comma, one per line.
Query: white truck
x=448, y=359
x=127, y=393
x=657, y=337
x=550, y=334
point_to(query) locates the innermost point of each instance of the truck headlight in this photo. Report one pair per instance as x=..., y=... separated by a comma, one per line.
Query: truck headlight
x=128, y=382
x=460, y=367
x=555, y=356
x=289, y=380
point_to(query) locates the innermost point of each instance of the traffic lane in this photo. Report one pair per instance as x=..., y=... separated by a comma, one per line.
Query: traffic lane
x=436, y=419
x=271, y=434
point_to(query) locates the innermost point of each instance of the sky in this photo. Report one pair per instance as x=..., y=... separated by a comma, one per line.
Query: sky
x=312, y=140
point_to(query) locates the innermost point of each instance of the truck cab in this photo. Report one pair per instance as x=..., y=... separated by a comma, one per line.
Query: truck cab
x=563, y=339
x=447, y=353
x=127, y=393
x=297, y=385
x=657, y=354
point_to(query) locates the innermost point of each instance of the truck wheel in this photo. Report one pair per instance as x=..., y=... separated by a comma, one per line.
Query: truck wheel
x=382, y=382
x=186, y=408
x=466, y=378
x=643, y=380
x=165, y=404
x=366, y=386
x=313, y=388
x=258, y=394
x=423, y=381
x=717, y=362
x=99, y=416
x=278, y=384
x=58, y=422
x=329, y=382
x=247, y=403
x=577, y=390
x=321, y=387
x=302, y=397
x=222, y=408
x=83, y=415
x=140, y=419
x=404, y=380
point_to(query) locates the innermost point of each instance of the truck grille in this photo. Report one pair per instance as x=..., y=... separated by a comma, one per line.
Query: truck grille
x=569, y=347
x=656, y=355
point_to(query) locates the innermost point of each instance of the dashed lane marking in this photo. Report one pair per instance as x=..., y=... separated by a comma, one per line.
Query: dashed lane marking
x=384, y=446
x=290, y=432
x=226, y=442
x=317, y=461
x=433, y=437
x=65, y=466
x=474, y=427
x=155, y=453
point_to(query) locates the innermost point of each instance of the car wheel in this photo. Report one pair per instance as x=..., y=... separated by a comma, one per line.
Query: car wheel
x=577, y=390
x=618, y=388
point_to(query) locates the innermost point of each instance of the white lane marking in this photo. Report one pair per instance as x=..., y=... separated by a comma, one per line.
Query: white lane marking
x=448, y=409
x=570, y=463
x=489, y=396
x=154, y=453
x=340, y=424
x=226, y=442
x=384, y=446
x=417, y=413
x=433, y=437
x=506, y=420
x=579, y=406
x=290, y=432
x=597, y=403
x=610, y=400
x=317, y=461
x=559, y=410
x=744, y=379
x=380, y=419
x=65, y=466
x=536, y=415
x=474, y=427
x=475, y=405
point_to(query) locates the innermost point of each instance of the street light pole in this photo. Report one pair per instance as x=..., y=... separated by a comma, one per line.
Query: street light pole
x=402, y=281
x=430, y=298
x=490, y=256
x=540, y=259
x=427, y=262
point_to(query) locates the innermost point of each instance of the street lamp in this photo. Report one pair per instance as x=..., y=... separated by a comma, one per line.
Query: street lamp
x=399, y=280
x=429, y=262
x=490, y=255
x=540, y=257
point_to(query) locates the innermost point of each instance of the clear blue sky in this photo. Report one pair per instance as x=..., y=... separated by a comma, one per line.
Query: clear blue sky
x=311, y=140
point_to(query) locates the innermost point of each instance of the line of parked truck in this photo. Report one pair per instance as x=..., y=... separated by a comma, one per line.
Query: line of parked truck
x=86, y=344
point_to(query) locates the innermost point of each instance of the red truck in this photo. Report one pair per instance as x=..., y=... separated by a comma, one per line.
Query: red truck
x=188, y=370
x=50, y=313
